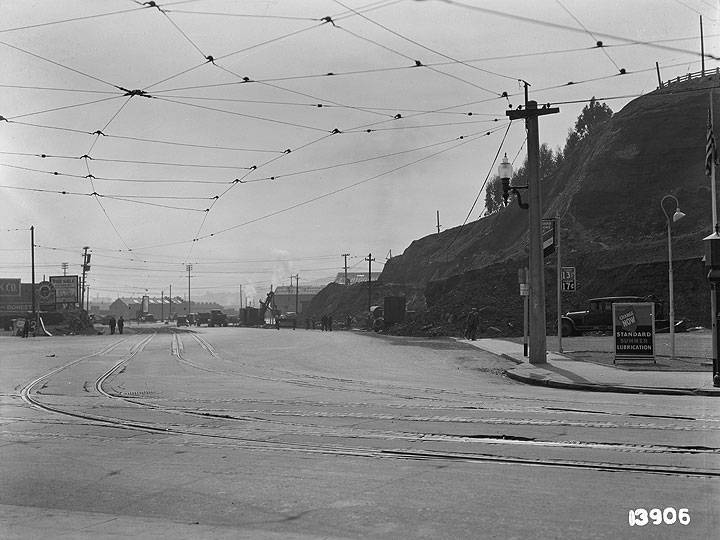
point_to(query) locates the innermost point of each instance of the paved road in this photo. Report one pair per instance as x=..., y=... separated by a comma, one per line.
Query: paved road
x=252, y=433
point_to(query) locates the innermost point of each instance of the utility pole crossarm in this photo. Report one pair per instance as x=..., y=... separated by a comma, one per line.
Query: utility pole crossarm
x=531, y=111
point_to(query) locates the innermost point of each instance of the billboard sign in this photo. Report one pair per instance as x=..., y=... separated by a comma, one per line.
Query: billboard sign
x=66, y=289
x=634, y=331
x=9, y=288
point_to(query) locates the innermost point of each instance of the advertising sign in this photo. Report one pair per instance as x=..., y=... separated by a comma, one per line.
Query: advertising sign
x=567, y=279
x=548, y=236
x=46, y=295
x=634, y=331
x=9, y=288
x=66, y=289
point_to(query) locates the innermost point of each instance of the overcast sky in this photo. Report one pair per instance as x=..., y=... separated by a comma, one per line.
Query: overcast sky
x=228, y=106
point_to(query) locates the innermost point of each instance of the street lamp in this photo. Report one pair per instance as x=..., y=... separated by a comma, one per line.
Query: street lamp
x=678, y=215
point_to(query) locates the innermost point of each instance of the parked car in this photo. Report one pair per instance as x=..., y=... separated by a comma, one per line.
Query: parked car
x=598, y=316
x=182, y=321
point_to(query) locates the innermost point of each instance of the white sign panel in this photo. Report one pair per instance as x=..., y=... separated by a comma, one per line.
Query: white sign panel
x=66, y=289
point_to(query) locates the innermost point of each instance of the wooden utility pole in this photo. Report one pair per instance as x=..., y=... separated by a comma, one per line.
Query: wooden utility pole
x=346, y=255
x=188, y=268
x=702, y=47
x=84, y=270
x=162, y=306
x=170, y=305
x=537, y=323
x=32, y=263
x=370, y=260
x=438, y=220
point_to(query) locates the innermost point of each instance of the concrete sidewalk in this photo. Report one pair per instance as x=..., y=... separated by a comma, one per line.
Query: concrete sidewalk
x=562, y=371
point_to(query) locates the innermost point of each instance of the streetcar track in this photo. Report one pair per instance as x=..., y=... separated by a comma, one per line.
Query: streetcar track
x=177, y=350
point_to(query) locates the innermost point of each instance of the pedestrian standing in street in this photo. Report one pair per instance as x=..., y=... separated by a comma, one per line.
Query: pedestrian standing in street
x=329, y=323
x=473, y=321
x=111, y=323
x=121, y=324
x=323, y=322
x=277, y=323
x=26, y=327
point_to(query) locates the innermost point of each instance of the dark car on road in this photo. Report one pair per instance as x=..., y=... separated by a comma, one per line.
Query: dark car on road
x=598, y=316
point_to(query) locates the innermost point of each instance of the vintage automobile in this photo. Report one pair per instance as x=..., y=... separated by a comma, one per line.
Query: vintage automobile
x=182, y=321
x=598, y=316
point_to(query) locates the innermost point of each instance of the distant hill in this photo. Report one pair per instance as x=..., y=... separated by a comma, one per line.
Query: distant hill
x=607, y=194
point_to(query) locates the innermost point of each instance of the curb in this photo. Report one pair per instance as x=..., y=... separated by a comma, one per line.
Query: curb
x=550, y=383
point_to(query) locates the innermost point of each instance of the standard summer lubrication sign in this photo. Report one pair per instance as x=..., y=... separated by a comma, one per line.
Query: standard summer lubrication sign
x=634, y=331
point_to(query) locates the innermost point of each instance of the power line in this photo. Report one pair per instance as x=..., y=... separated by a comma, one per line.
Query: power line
x=339, y=190
x=235, y=113
x=106, y=179
x=73, y=19
x=59, y=64
x=401, y=36
x=62, y=108
x=155, y=141
x=571, y=29
x=418, y=63
x=599, y=43
x=492, y=166
x=136, y=161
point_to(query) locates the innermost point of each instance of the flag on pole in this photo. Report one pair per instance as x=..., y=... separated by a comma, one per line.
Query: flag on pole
x=710, y=148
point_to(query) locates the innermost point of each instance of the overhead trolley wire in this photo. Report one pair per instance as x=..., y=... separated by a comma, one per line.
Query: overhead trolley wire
x=551, y=24
x=98, y=195
x=73, y=19
x=339, y=190
x=401, y=36
x=235, y=113
x=418, y=63
x=492, y=166
x=58, y=64
x=365, y=160
x=137, y=161
x=427, y=64
x=242, y=15
x=245, y=49
x=155, y=141
x=62, y=108
x=598, y=42
x=109, y=179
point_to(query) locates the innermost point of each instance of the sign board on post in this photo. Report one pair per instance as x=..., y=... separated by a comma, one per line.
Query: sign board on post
x=46, y=296
x=9, y=288
x=548, y=236
x=634, y=331
x=567, y=277
x=66, y=289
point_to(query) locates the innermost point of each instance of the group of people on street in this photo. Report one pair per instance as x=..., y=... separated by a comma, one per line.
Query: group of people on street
x=120, y=324
x=325, y=323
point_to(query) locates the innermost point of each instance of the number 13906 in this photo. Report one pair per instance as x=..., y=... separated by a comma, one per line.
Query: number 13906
x=656, y=516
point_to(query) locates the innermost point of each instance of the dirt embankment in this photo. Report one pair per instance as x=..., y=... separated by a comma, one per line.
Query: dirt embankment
x=613, y=229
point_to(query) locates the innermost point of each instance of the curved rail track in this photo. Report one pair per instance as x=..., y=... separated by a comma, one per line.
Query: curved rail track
x=260, y=422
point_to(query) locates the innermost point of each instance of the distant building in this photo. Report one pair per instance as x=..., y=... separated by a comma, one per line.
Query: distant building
x=285, y=297
x=356, y=277
x=159, y=308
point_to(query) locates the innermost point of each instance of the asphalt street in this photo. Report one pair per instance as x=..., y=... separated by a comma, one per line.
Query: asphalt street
x=258, y=433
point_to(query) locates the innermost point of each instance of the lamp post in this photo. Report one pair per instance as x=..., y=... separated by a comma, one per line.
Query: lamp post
x=678, y=215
